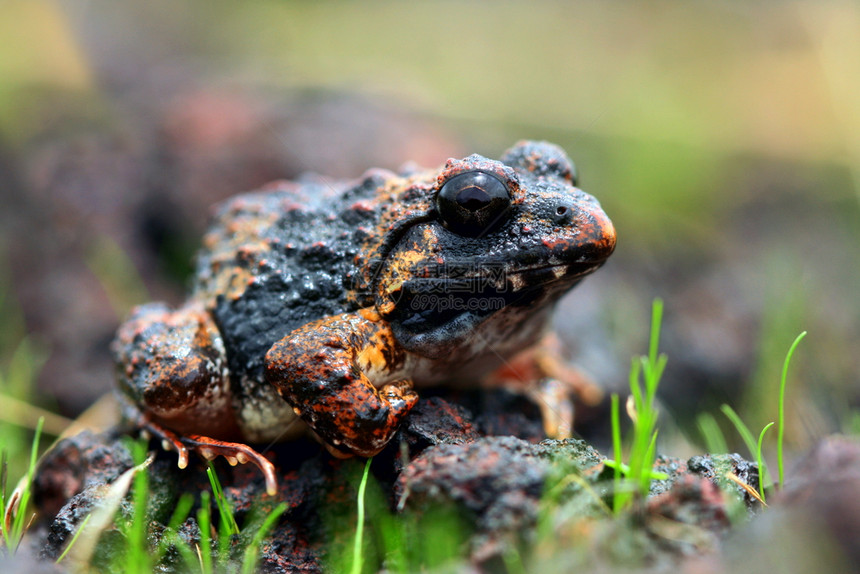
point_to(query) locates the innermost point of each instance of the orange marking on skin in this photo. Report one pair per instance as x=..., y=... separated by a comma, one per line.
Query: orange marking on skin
x=411, y=258
x=371, y=358
x=429, y=235
x=393, y=287
x=370, y=314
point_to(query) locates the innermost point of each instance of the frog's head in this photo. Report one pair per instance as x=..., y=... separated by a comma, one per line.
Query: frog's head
x=494, y=238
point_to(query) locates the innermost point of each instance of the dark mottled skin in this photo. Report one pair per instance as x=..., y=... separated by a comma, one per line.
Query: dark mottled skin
x=322, y=300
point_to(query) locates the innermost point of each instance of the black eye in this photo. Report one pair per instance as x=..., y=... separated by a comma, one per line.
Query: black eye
x=472, y=203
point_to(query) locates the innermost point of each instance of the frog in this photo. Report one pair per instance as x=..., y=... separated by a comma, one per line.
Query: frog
x=320, y=306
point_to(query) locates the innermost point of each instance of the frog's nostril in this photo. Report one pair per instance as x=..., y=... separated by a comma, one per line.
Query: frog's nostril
x=563, y=214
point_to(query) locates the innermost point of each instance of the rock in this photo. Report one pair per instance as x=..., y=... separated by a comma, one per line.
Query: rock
x=77, y=463
x=690, y=517
x=497, y=482
x=715, y=467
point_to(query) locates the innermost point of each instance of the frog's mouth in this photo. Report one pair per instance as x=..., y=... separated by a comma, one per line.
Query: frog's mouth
x=433, y=312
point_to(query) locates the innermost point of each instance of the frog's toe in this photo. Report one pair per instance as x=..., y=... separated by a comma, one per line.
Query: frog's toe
x=148, y=429
x=400, y=396
x=169, y=441
x=556, y=404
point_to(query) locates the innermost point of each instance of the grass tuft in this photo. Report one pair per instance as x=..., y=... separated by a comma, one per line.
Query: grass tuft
x=645, y=374
x=218, y=554
x=716, y=443
x=227, y=527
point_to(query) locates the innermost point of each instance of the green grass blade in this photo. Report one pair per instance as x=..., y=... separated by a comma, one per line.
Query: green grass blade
x=656, y=373
x=781, y=428
x=617, y=498
x=715, y=442
x=636, y=389
x=137, y=559
x=513, y=561
x=171, y=533
x=656, y=320
x=647, y=473
x=252, y=552
x=742, y=428
x=117, y=274
x=225, y=513
x=74, y=538
x=180, y=514
x=4, y=473
x=357, y=562
x=103, y=517
x=204, y=520
x=185, y=551
x=762, y=467
x=18, y=523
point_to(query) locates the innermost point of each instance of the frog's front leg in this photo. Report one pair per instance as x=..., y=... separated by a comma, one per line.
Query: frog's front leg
x=172, y=373
x=343, y=375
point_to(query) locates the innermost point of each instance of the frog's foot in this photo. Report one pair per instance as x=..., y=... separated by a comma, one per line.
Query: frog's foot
x=336, y=373
x=542, y=374
x=235, y=453
x=208, y=448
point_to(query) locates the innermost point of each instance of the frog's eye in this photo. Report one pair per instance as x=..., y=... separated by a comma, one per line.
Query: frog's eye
x=472, y=203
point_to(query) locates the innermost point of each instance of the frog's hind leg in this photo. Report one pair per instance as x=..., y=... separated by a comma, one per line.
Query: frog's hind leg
x=542, y=374
x=173, y=376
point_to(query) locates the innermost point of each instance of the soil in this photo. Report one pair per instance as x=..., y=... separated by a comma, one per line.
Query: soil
x=504, y=493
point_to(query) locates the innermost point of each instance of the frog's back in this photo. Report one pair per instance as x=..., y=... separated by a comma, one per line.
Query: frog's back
x=276, y=259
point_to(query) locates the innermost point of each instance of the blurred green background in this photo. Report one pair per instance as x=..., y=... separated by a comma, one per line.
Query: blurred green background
x=723, y=138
